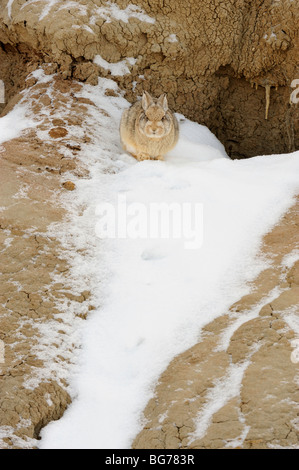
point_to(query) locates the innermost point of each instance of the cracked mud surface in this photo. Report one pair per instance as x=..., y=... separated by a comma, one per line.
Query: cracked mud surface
x=251, y=346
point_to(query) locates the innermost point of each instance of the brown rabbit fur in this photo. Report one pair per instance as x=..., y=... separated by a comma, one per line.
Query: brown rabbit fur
x=148, y=129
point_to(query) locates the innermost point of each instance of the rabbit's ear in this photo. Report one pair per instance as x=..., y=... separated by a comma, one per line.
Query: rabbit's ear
x=162, y=101
x=147, y=100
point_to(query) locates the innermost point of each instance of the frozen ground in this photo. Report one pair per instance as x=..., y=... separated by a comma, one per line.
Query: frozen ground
x=153, y=296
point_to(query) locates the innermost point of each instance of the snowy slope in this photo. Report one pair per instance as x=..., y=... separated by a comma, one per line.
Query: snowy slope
x=153, y=296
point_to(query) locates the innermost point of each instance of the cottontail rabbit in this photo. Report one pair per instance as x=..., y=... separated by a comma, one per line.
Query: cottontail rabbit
x=148, y=129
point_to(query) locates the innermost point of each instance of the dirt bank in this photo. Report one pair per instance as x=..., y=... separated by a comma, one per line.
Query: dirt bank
x=229, y=65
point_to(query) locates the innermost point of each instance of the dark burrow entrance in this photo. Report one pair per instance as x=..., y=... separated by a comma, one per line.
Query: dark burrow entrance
x=251, y=119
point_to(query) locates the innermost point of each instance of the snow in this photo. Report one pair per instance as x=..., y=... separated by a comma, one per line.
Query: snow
x=116, y=68
x=9, y=7
x=241, y=318
x=16, y=441
x=112, y=10
x=290, y=259
x=13, y=124
x=49, y=4
x=223, y=390
x=48, y=8
x=172, y=38
x=153, y=296
x=20, y=119
x=108, y=12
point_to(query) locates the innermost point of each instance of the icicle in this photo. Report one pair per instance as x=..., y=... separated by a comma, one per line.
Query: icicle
x=268, y=88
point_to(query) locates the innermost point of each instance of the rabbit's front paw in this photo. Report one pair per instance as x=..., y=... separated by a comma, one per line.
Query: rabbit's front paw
x=142, y=156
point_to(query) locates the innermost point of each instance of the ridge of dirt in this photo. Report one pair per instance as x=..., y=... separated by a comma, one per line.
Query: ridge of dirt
x=251, y=345
x=33, y=325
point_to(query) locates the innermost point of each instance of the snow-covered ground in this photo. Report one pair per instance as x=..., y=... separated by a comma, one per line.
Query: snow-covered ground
x=154, y=295
x=13, y=124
